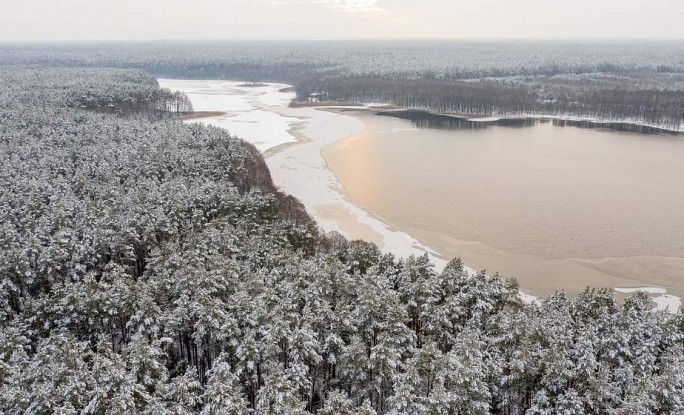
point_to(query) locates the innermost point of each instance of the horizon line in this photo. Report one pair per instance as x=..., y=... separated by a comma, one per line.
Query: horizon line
x=337, y=40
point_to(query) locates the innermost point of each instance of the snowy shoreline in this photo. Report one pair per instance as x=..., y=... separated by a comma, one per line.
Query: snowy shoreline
x=292, y=140
x=292, y=150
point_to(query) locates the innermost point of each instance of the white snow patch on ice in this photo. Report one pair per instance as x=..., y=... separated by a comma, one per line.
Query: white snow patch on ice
x=668, y=302
x=246, y=109
x=664, y=301
x=275, y=98
x=214, y=102
x=263, y=129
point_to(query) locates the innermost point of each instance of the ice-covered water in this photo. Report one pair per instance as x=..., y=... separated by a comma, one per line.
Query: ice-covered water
x=245, y=109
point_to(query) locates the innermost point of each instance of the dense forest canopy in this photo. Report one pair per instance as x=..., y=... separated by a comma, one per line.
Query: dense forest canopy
x=148, y=266
x=97, y=89
x=394, y=59
x=638, y=82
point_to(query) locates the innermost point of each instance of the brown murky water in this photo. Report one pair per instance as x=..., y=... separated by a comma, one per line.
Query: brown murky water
x=555, y=207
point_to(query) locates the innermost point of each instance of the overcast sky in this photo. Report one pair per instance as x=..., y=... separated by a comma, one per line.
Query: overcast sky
x=338, y=19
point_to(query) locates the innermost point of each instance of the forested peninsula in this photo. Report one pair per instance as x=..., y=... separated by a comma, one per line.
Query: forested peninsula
x=150, y=266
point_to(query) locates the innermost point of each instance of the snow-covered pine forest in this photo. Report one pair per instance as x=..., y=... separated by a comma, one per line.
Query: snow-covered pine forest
x=147, y=266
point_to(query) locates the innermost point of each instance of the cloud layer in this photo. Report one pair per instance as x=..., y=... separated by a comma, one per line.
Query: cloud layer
x=339, y=19
x=352, y=6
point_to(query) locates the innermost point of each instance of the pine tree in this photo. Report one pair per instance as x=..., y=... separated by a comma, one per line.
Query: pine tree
x=222, y=394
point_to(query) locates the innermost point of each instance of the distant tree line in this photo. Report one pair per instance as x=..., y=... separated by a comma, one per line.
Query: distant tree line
x=287, y=61
x=663, y=108
x=639, y=82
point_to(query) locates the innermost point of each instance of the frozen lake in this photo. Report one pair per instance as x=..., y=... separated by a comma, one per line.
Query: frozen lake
x=554, y=206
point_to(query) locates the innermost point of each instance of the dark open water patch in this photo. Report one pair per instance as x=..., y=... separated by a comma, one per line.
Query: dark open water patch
x=427, y=119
